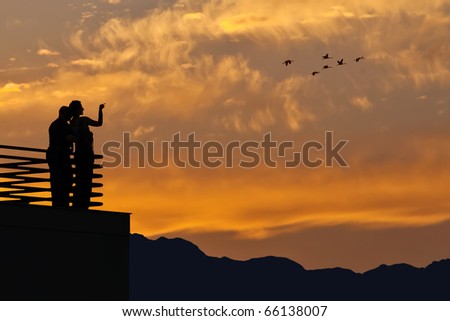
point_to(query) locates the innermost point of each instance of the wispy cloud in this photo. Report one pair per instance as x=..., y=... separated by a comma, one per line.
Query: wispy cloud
x=362, y=103
x=47, y=52
x=112, y=1
x=13, y=87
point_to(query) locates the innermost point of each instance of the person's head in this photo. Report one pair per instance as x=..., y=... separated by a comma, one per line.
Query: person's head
x=64, y=113
x=76, y=108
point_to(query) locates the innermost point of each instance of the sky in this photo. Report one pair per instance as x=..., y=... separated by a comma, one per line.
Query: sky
x=214, y=68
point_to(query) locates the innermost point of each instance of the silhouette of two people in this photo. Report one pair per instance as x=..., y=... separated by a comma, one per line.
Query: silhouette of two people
x=71, y=128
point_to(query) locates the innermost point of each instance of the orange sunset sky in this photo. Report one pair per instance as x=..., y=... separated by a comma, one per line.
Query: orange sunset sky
x=214, y=68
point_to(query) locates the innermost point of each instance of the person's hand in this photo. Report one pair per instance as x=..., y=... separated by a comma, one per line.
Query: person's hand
x=101, y=106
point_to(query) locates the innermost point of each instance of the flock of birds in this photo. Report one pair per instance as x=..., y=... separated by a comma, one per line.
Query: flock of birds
x=324, y=57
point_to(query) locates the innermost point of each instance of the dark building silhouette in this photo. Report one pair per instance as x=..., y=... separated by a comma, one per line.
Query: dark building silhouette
x=50, y=253
x=56, y=253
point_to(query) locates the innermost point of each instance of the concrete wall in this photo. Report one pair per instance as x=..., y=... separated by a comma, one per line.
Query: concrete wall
x=63, y=254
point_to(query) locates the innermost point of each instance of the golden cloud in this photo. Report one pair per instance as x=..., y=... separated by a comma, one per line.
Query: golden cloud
x=362, y=103
x=13, y=88
x=47, y=52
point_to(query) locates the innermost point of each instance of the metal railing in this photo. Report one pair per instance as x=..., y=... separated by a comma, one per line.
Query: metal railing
x=25, y=176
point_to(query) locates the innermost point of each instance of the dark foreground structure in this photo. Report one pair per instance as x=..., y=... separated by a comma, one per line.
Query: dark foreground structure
x=52, y=253
x=56, y=253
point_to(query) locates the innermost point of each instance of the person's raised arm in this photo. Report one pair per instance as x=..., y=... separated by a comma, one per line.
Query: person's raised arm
x=99, y=122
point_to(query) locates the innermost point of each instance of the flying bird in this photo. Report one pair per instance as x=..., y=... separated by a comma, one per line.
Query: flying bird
x=288, y=62
x=341, y=62
x=326, y=67
x=326, y=57
x=314, y=73
x=359, y=58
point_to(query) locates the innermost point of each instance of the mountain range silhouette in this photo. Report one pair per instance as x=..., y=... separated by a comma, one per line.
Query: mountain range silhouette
x=176, y=269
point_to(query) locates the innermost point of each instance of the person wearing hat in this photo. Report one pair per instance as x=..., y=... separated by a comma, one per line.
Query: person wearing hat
x=84, y=152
